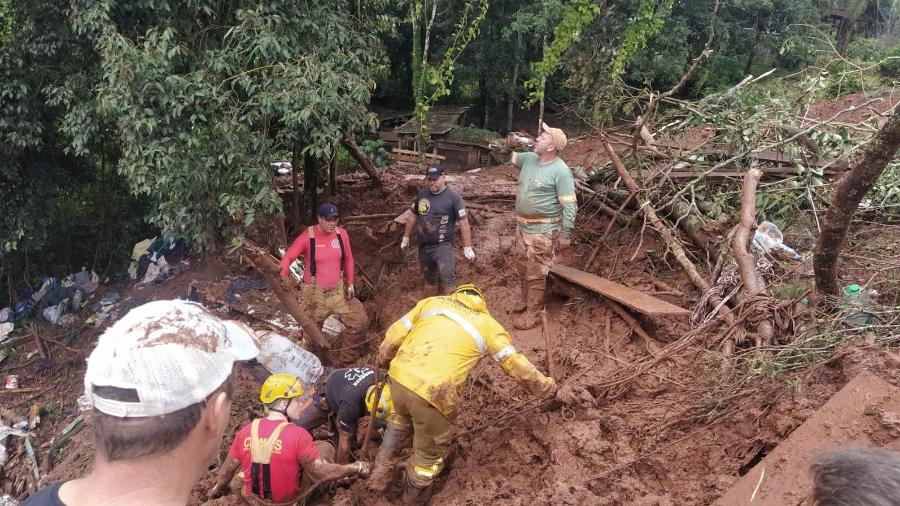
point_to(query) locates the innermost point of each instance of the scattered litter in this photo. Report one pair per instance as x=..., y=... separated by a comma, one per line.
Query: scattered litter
x=5, y=432
x=22, y=308
x=237, y=286
x=282, y=168
x=29, y=451
x=53, y=313
x=857, y=301
x=84, y=403
x=8, y=500
x=6, y=315
x=34, y=416
x=333, y=326
x=296, y=267
x=106, y=309
x=5, y=330
x=279, y=354
x=11, y=382
x=769, y=239
x=153, y=259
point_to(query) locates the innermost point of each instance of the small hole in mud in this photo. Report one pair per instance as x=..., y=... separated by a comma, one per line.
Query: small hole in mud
x=761, y=454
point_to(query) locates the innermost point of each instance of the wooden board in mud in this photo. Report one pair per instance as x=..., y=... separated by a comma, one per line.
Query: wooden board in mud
x=638, y=301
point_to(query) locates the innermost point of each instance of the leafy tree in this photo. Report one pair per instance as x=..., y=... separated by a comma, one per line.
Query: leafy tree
x=62, y=205
x=203, y=94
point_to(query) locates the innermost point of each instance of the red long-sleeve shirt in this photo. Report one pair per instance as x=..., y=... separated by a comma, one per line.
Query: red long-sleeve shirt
x=328, y=257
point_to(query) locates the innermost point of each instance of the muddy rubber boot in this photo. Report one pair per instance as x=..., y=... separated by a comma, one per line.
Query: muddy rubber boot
x=413, y=496
x=381, y=475
x=531, y=318
x=522, y=305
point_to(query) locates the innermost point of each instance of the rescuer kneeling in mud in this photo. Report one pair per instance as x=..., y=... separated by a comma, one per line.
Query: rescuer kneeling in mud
x=279, y=459
x=431, y=351
x=344, y=396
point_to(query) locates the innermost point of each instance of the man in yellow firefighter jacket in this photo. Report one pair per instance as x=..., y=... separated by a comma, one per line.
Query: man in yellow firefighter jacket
x=431, y=351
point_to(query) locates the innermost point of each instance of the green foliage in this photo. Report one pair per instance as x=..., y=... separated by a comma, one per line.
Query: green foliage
x=842, y=80
x=474, y=134
x=202, y=94
x=797, y=52
x=890, y=67
x=646, y=22
x=436, y=82
x=577, y=15
x=375, y=151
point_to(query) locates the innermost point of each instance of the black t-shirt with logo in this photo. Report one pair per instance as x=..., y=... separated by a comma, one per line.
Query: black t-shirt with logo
x=346, y=395
x=437, y=215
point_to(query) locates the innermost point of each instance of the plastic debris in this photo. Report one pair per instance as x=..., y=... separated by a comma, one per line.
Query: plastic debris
x=857, y=301
x=278, y=354
x=333, y=326
x=6, y=314
x=769, y=239
x=11, y=382
x=5, y=330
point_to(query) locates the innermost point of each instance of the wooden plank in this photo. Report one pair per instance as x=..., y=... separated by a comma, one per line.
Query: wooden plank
x=638, y=301
x=416, y=153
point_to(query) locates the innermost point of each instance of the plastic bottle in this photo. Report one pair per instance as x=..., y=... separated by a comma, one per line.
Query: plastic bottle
x=525, y=141
x=857, y=301
x=769, y=239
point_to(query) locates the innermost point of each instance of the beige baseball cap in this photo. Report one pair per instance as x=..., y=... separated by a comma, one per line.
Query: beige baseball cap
x=559, y=137
x=169, y=353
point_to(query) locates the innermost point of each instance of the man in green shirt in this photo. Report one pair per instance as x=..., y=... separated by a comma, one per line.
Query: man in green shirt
x=545, y=217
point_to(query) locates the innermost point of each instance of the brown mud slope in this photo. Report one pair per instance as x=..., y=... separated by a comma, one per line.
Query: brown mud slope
x=661, y=437
x=863, y=414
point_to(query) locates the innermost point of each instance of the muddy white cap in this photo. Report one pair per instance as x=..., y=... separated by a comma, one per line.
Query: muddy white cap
x=164, y=356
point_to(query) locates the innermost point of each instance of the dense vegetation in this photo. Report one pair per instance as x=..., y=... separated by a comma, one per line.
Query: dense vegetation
x=119, y=119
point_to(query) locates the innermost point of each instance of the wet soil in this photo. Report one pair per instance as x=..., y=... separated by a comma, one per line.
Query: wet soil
x=661, y=438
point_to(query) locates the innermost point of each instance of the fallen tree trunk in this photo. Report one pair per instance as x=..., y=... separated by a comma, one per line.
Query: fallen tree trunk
x=360, y=156
x=286, y=293
x=865, y=168
x=753, y=282
x=673, y=244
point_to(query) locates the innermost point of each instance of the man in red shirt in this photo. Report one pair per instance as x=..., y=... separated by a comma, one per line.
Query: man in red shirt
x=326, y=253
x=277, y=457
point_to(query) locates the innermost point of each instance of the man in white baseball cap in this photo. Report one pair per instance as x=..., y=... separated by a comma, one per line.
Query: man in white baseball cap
x=160, y=382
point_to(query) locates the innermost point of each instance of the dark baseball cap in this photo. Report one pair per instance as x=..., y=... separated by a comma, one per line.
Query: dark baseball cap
x=328, y=210
x=433, y=172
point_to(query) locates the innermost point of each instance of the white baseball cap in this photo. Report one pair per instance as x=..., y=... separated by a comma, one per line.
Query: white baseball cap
x=171, y=353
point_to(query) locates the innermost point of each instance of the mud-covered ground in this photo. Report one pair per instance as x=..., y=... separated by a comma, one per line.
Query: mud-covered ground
x=644, y=441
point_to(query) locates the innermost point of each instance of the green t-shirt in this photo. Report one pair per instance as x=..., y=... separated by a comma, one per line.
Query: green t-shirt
x=545, y=191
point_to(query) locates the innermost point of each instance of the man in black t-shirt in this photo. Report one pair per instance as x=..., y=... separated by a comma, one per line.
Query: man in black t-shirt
x=341, y=398
x=437, y=210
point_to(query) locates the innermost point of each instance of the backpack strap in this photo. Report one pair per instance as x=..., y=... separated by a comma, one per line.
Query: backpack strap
x=340, y=237
x=261, y=458
x=312, y=252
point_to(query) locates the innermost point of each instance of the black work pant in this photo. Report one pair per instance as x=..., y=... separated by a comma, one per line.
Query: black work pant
x=438, y=264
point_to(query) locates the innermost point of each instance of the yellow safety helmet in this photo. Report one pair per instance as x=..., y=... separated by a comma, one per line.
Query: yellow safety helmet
x=385, y=405
x=469, y=288
x=283, y=386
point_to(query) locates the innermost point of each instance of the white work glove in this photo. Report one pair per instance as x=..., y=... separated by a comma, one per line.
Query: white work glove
x=351, y=292
x=469, y=253
x=404, y=243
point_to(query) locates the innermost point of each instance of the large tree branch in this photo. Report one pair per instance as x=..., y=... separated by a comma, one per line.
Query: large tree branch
x=360, y=156
x=286, y=293
x=866, y=166
x=753, y=282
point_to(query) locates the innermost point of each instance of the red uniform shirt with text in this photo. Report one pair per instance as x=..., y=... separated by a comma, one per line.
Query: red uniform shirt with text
x=294, y=446
x=328, y=257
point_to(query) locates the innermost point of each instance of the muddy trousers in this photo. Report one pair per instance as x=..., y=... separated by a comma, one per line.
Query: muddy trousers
x=323, y=302
x=431, y=437
x=438, y=268
x=533, y=256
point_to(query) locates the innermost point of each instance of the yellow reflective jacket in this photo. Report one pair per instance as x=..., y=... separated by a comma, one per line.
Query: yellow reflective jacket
x=435, y=345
